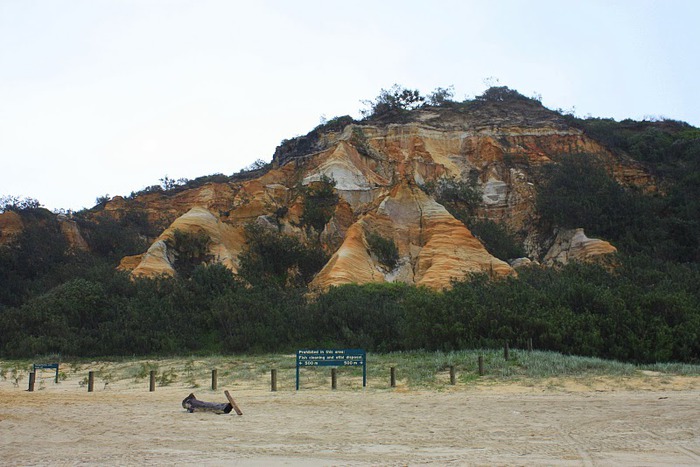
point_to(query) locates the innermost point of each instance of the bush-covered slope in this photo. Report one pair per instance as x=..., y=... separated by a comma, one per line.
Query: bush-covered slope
x=643, y=306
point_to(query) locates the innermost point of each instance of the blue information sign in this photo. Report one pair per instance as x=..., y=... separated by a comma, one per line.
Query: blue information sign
x=332, y=357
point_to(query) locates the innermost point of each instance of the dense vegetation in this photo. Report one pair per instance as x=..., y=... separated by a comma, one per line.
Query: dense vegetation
x=645, y=309
x=279, y=259
x=580, y=193
x=639, y=313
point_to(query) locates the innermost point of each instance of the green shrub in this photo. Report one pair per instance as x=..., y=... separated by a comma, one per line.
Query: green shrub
x=274, y=258
x=460, y=197
x=335, y=124
x=502, y=94
x=319, y=200
x=497, y=239
x=579, y=192
x=167, y=377
x=395, y=99
x=17, y=204
x=191, y=250
x=113, y=239
x=384, y=249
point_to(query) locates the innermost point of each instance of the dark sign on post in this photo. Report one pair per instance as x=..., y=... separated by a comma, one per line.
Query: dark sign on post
x=332, y=357
x=47, y=366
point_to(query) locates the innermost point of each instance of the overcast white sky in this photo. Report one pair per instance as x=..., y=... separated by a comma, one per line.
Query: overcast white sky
x=108, y=96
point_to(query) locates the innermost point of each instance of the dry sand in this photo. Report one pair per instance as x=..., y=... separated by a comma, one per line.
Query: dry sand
x=652, y=420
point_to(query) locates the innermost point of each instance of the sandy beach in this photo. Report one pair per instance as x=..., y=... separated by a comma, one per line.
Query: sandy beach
x=648, y=421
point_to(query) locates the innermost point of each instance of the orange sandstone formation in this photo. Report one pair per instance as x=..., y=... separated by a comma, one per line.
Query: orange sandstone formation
x=380, y=169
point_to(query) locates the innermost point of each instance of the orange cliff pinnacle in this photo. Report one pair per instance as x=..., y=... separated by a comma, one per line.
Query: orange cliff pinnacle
x=434, y=247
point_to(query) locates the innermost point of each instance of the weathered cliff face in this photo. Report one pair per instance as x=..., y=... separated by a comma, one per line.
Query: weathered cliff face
x=161, y=208
x=434, y=247
x=224, y=245
x=573, y=245
x=380, y=170
x=70, y=230
x=12, y=225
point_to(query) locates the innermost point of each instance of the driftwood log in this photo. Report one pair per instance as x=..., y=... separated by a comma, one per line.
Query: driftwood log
x=192, y=404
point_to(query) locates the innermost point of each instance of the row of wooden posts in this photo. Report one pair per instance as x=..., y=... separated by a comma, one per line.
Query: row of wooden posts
x=273, y=374
x=273, y=378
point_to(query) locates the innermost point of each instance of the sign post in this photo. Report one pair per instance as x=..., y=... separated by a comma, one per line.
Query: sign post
x=47, y=366
x=332, y=357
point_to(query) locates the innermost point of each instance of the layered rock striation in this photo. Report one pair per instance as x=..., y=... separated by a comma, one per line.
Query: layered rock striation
x=573, y=245
x=434, y=248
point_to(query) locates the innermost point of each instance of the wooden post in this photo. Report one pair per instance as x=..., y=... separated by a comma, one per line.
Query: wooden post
x=91, y=381
x=32, y=378
x=273, y=380
x=214, y=379
x=453, y=376
x=233, y=403
x=334, y=378
x=393, y=377
x=152, y=383
x=481, y=365
x=529, y=344
x=506, y=351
